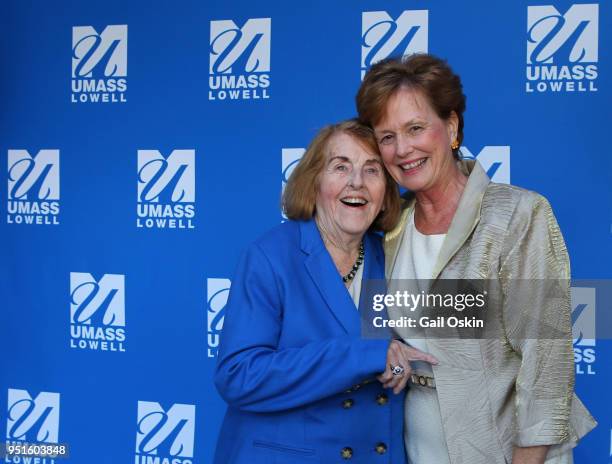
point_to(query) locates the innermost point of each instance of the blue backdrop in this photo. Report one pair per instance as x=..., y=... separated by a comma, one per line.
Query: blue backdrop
x=146, y=143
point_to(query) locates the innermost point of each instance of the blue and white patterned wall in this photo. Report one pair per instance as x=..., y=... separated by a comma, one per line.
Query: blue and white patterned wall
x=144, y=144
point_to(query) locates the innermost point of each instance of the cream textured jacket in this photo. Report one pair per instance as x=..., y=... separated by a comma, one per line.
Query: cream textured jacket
x=515, y=389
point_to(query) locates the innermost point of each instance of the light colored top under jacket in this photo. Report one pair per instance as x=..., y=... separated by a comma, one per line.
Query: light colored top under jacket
x=516, y=389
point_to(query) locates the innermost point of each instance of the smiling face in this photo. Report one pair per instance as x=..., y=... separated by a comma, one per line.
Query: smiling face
x=415, y=143
x=351, y=188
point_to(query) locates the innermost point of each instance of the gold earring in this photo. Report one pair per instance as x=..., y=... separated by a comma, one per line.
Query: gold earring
x=455, y=144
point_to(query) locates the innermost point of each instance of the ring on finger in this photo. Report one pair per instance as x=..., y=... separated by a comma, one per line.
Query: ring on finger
x=397, y=370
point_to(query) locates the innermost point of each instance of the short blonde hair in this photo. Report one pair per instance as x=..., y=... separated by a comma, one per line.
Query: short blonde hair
x=299, y=197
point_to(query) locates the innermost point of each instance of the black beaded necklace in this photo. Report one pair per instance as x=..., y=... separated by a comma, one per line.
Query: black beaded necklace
x=351, y=275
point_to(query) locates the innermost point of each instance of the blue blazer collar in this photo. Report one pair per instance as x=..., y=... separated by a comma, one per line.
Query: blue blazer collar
x=324, y=274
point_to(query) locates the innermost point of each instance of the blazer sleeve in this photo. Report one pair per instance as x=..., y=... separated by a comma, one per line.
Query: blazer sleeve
x=535, y=278
x=254, y=374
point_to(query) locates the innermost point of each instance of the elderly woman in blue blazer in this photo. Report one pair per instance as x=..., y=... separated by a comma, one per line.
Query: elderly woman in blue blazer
x=301, y=385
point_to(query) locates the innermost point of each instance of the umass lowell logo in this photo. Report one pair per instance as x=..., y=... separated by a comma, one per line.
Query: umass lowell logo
x=495, y=160
x=382, y=36
x=239, y=60
x=562, y=49
x=97, y=312
x=33, y=187
x=32, y=420
x=290, y=157
x=165, y=437
x=583, y=329
x=216, y=298
x=166, y=189
x=99, y=64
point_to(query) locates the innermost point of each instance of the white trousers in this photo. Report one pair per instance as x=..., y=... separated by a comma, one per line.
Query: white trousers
x=424, y=434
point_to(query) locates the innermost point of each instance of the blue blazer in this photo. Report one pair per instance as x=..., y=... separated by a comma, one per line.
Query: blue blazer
x=298, y=379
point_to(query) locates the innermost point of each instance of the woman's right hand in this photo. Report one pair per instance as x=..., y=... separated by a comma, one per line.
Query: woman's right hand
x=400, y=354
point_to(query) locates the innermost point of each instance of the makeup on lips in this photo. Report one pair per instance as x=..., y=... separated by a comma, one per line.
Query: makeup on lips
x=413, y=167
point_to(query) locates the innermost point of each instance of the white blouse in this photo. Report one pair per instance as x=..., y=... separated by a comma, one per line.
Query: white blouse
x=423, y=431
x=416, y=259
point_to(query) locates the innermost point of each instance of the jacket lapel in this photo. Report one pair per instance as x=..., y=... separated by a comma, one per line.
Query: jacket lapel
x=374, y=264
x=393, y=239
x=467, y=215
x=324, y=274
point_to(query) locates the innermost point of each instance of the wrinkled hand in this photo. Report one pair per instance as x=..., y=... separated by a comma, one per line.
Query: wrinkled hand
x=401, y=354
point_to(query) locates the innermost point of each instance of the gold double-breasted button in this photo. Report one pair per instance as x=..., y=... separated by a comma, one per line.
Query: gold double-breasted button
x=346, y=453
x=382, y=399
x=353, y=389
x=381, y=448
x=347, y=404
